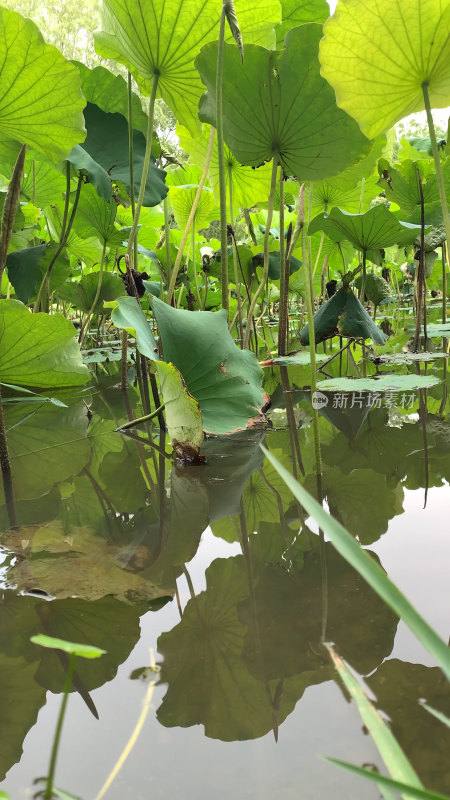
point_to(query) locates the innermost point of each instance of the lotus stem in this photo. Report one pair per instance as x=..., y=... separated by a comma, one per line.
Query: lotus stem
x=437, y=161
x=235, y=265
x=166, y=241
x=283, y=300
x=145, y=168
x=265, y=274
x=51, y=771
x=420, y=282
x=444, y=249
x=146, y=418
x=198, y=194
x=97, y=295
x=9, y=209
x=131, y=162
x=221, y=164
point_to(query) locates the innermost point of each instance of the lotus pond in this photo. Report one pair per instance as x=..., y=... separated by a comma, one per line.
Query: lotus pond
x=224, y=405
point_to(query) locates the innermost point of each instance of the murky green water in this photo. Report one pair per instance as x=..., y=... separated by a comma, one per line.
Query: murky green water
x=212, y=572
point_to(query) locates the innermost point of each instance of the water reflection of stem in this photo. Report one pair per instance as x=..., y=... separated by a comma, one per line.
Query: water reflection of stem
x=124, y=360
x=296, y=456
x=444, y=379
x=6, y=471
x=51, y=771
x=423, y=421
x=189, y=582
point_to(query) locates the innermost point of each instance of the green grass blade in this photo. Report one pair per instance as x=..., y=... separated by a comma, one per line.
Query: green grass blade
x=382, y=780
x=438, y=714
x=375, y=576
x=388, y=747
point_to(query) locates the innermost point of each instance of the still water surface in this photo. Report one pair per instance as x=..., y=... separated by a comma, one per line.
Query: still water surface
x=246, y=698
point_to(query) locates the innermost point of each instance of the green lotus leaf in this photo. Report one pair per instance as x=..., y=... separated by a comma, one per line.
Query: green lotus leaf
x=278, y=105
x=21, y=699
x=274, y=264
x=81, y=650
x=81, y=294
x=128, y=314
x=295, y=13
x=107, y=143
x=249, y=185
x=183, y=416
x=383, y=383
x=26, y=269
x=45, y=185
x=37, y=349
x=98, y=177
x=372, y=230
x=402, y=187
x=110, y=93
x=181, y=199
x=40, y=95
x=376, y=288
x=377, y=56
x=153, y=37
x=343, y=315
x=327, y=194
x=95, y=217
x=224, y=380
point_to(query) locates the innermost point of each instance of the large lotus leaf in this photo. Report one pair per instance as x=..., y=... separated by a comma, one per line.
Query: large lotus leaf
x=372, y=230
x=40, y=95
x=110, y=93
x=81, y=294
x=20, y=698
x=249, y=185
x=278, y=105
x=377, y=56
x=107, y=143
x=204, y=652
x=327, y=194
x=364, y=168
x=37, y=349
x=224, y=380
x=343, y=315
x=181, y=199
x=47, y=444
x=295, y=13
x=400, y=688
x=98, y=177
x=184, y=420
x=95, y=217
x=289, y=614
x=45, y=184
x=26, y=269
x=153, y=37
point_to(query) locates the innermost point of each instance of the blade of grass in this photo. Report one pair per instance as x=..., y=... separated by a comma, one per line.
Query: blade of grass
x=382, y=780
x=349, y=549
x=388, y=747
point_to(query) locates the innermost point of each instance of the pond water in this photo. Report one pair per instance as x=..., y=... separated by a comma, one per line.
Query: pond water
x=213, y=575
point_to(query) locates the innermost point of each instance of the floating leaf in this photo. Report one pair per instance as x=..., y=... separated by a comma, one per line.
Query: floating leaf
x=266, y=115
x=377, y=57
x=383, y=383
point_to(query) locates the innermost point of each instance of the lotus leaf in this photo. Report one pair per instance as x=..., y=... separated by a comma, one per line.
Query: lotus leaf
x=343, y=315
x=374, y=229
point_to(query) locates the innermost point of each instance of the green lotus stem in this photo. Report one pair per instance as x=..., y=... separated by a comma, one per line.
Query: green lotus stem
x=235, y=266
x=194, y=266
x=51, y=771
x=146, y=418
x=221, y=164
x=198, y=194
x=66, y=227
x=9, y=209
x=437, y=161
x=145, y=167
x=97, y=295
x=166, y=240
x=124, y=359
x=131, y=162
x=265, y=274
x=361, y=196
x=312, y=343
x=319, y=252
x=444, y=284
x=283, y=300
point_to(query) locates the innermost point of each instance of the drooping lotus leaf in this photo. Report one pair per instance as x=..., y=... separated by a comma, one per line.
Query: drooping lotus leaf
x=343, y=315
x=156, y=37
x=274, y=264
x=110, y=93
x=129, y=315
x=37, y=349
x=98, y=177
x=295, y=13
x=224, y=380
x=40, y=95
x=249, y=185
x=276, y=104
x=107, y=143
x=183, y=416
x=26, y=269
x=81, y=293
x=376, y=228
x=376, y=288
x=377, y=56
